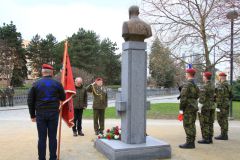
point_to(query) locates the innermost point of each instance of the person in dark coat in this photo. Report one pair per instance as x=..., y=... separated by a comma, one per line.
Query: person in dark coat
x=43, y=102
x=79, y=104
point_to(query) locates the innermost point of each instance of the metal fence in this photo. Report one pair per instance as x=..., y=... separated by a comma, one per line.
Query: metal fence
x=20, y=96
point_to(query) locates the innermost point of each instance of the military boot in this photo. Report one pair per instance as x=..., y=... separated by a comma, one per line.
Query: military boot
x=204, y=141
x=222, y=137
x=187, y=145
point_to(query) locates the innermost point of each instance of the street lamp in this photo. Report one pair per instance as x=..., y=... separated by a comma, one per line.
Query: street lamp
x=232, y=15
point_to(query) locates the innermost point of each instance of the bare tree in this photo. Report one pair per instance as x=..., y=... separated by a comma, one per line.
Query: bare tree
x=193, y=26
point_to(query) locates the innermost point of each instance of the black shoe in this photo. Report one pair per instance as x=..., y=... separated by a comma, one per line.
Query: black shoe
x=96, y=132
x=74, y=134
x=80, y=133
x=204, y=141
x=188, y=145
x=222, y=137
x=100, y=132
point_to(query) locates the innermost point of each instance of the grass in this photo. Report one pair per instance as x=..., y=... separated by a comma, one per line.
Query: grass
x=114, y=86
x=158, y=111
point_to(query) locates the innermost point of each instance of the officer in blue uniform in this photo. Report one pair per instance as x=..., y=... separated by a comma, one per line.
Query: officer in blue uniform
x=43, y=102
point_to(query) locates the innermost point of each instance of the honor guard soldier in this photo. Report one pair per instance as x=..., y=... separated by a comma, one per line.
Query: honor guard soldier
x=223, y=95
x=10, y=95
x=189, y=107
x=206, y=109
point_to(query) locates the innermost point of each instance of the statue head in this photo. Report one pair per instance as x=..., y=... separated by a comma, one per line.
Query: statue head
x=133, y=11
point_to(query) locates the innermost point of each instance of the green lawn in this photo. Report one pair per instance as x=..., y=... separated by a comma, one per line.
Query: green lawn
x=158, y=111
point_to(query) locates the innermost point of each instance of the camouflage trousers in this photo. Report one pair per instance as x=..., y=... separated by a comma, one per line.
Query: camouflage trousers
x=222, y=118
x=206, y=119
x=189, y=119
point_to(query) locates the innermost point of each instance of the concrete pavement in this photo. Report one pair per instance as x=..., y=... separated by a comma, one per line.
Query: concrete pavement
x=18, y=140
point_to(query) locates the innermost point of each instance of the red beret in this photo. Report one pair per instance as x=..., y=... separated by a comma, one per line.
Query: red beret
x=207, y=74
x=222, y=74
x=47, y=66
x=98, y=79
x=191, y=71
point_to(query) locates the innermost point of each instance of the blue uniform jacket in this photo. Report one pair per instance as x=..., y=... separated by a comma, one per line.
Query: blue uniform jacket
x=45, y=95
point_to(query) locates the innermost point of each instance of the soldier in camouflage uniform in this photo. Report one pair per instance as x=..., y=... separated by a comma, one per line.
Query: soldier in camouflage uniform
x=3, y=98
x=100, y=102
x=223, y=95
x=206, y=109
x=10, y=94
x=189, y=107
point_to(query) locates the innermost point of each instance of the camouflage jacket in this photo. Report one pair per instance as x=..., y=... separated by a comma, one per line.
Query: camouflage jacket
x=189, y=95
x=100, y=99
x=9, y=92
x=223, y=93
x=80, y=99
x=206, y=96
x=2, y=94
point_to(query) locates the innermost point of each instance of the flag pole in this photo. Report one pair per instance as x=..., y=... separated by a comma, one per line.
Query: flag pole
x=60, y=114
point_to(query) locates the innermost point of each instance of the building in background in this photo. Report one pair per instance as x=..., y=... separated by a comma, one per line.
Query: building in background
x=32, y=74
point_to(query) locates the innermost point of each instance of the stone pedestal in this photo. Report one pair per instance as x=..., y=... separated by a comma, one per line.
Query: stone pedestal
x=131, y=106
x=117, y=150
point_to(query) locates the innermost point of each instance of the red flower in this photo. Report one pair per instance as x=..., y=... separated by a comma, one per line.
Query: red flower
x=108, y=130
x=116, y=132
x=99, y=137
x=108, y=136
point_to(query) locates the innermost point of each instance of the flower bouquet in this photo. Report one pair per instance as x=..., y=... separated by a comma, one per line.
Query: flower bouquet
x=114, y=133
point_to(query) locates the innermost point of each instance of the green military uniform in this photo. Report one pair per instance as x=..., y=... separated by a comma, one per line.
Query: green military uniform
x=79, y=103
x=207, y=113
x=223, y=94
x=3, y=98
x=10, y=94
x=100, y=102
x=189, y=106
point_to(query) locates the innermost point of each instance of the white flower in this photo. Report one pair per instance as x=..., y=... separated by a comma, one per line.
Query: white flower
x=119, y=131
x=116, y=137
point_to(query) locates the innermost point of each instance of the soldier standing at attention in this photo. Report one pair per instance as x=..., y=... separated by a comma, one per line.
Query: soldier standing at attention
x=10, y=95
x=100, y=102
x=79, y=104
x=206, y=109
x=223, y=95
x=43, y=102
x=1, y=98
x=189, y=107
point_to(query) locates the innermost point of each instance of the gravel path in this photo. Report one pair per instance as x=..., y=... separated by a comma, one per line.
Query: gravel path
x=18, y=140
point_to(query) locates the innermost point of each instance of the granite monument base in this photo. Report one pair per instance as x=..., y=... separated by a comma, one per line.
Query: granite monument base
x=117, y=150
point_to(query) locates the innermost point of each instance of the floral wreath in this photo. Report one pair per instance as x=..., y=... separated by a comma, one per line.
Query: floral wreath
x=114, y=133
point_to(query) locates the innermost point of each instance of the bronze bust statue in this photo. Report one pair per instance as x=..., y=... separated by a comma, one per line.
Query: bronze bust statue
x=135, y=29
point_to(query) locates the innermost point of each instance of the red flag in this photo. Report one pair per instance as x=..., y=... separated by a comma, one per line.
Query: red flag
x=69, y=87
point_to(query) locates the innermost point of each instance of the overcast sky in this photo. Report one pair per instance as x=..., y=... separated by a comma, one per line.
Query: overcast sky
x=62, y=18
